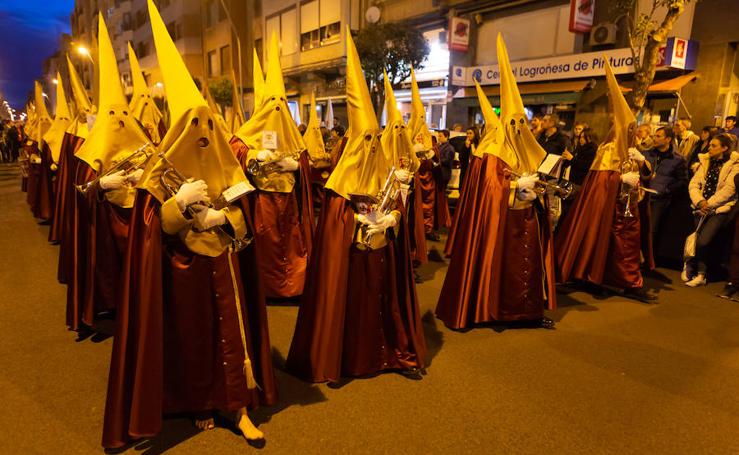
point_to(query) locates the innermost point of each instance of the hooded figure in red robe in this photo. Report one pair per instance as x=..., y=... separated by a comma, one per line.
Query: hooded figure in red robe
x=502, y=267
x=359, y=313
x=192, y=331
x=272, y=152
x=599, y=240
x=40, y=197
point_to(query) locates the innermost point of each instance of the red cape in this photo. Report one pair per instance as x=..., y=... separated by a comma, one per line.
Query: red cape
x=595, y=242
x=464, y=195
x=64, y=209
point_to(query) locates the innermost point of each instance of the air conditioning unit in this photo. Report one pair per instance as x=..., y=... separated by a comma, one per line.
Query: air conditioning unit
x=603, y=33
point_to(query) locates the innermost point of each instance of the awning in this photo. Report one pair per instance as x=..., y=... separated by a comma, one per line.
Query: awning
x=668, y=86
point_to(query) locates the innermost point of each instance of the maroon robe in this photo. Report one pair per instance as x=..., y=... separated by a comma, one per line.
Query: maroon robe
x=81, y=310
x=463, y=201
x=63, y=188
x=34, y=175
x=284, y=228
x=64, y=209
x=43, y=206
x=435, y=206
x=595, y=242
x=416, y=223
x=502, y=264
x=359, y=313
x=178, y=346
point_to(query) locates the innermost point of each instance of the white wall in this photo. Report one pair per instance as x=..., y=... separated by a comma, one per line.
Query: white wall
x=684, y=24
x=528, y=35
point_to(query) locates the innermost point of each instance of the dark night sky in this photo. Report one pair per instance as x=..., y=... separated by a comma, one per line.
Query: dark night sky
x=29, y=32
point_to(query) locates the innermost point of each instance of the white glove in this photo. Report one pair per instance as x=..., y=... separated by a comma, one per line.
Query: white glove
x=190, y=193
x=403, y=175
x=364, y=219
x=264, y=155
x=382, y=225
x=631, y=179
x=527, y=182
x=205, y=217
x=430, y=154
x=135, y=176
x=35, y=159
x=53, y=167
x=113, y=181
x=525, y=195
x=288, y=164
x=636, y=155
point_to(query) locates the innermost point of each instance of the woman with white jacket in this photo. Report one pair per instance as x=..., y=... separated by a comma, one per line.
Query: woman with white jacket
x=712, y=194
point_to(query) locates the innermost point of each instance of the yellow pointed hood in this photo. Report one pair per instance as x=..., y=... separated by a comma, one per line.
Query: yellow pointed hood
x=82, y=104
x=237, y=113
x=62, y=119
x=521, y=150
x=258, y=78
x=42, y=118
x=614, y=151
x=142, y=105
x=115, y=134
x=273, y=113
x=362, y=167
x=182, y=93
x=30, y=125
x=417, y=124
x=396, y=139
x=193, y=143
x=312, y=137
x=494, y=137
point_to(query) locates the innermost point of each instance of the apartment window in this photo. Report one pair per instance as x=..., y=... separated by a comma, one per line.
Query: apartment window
x=141, y=18
x=142, y=50
x=164, y=3
x=172, y=29
x=126, y=23
x=319, y=23
x=214, y=13
x=226, y=60
x=285, y=25
x=213, y=67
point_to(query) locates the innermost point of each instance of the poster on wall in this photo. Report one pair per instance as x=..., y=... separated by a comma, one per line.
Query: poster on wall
x=581, y=15
x=459, y=34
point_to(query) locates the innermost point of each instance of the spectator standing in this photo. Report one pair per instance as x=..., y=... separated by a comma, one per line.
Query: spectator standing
x=713, y=194
x=730, y=126
x=582, y=156
x=644, y=139
x=669, y=175
x=576, y=130
x=446, y=156
x=536, y=125
x=701, y=146
x=552, y=140
x=685, y=138
x=470, y=145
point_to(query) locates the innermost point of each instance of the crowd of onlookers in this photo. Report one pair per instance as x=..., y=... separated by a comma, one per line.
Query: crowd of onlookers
x=695, y=180
x=11, y=137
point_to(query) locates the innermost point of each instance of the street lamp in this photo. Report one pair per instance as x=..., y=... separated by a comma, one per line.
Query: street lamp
x=82, y=50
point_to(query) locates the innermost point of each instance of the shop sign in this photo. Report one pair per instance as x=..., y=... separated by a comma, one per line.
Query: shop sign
x=680, y=53
x=591, y=64
x=459, y=34
x=581, y=15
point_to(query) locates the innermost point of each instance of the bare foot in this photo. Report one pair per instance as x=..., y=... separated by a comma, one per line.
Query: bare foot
x=205, y=424
x=251, y=433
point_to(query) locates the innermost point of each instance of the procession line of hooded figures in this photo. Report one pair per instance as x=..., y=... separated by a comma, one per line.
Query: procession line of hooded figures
x=183, y=232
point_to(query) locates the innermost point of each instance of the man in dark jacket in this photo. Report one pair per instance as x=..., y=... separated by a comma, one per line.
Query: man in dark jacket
x=670, y=174
x=446, y=155
x=552, y=140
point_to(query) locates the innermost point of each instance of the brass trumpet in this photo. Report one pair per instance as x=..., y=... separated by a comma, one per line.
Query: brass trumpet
x=562, y=188
x=172, y=179
x=386, y=198
x=256, y=167
x=133, y=162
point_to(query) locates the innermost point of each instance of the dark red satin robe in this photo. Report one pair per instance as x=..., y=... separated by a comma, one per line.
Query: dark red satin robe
x=34, y=174
x=64, y=209
x=463, y=201
x=359, y=313
x=43, y=205
x=595, y=242
x=63, y=187
x=433, y=196
x=284, y=228
x=502, y=265
x=416, y=223
x=178, y=346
